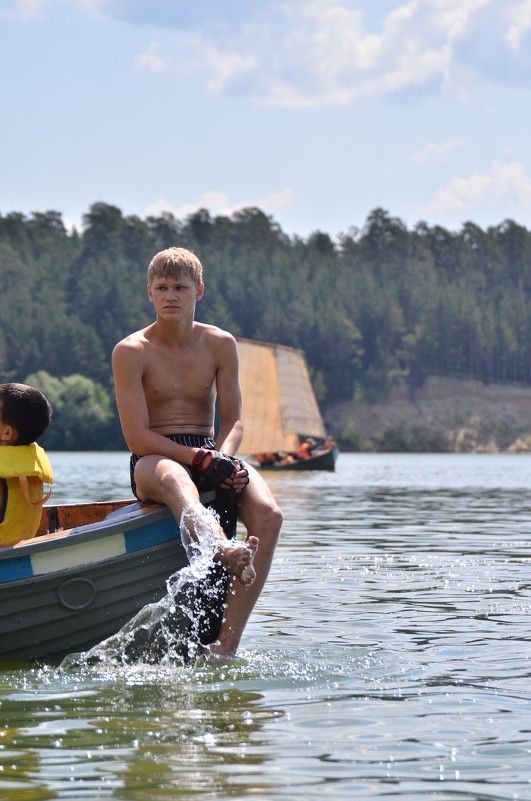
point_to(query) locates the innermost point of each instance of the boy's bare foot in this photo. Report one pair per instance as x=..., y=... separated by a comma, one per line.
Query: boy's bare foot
x=237, y=559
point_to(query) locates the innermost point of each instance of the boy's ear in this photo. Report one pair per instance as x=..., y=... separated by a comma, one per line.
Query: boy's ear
x=200, y=290
x=8, y=435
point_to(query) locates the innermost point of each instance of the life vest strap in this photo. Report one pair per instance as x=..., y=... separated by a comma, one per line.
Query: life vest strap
x=25, y=491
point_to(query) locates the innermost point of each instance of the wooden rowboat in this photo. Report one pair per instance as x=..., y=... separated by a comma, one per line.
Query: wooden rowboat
x=280, y=409
x=89, y=570
x=324, y=459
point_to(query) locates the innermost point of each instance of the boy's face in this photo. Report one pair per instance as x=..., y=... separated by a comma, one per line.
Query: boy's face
x=174, y=297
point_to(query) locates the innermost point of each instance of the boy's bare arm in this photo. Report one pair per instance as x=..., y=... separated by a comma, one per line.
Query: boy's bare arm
x=229, y=397
x=128, y=369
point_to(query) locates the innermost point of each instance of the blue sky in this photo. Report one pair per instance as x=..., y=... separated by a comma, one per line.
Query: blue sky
x=316, y=111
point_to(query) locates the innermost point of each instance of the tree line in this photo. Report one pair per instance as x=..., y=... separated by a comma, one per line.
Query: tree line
x=379, y=306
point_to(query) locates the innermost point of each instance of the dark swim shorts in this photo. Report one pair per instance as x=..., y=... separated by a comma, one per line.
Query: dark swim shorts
x=190, y=440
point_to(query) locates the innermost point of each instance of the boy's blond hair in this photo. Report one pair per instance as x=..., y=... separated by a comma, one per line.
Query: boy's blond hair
x=175, y=262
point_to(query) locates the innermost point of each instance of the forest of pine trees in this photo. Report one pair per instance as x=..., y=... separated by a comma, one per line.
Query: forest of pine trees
x=378, y=307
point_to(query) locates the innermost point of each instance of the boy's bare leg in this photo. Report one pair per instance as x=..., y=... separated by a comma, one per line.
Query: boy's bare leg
x=260, y=514
x=165, y=481
x=238, y=559
x=200, y=528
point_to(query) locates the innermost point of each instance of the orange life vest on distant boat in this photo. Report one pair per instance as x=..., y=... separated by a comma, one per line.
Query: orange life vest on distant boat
x=25, y=469
x=305, y=451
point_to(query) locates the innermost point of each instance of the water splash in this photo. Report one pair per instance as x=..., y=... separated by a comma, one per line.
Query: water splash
x=199, y=535
x=186, y=619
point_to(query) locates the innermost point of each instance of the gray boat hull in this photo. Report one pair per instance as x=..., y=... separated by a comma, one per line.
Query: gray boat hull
x=67, y=591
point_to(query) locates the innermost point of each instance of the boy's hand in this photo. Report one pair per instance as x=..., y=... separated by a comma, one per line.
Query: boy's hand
x=240, y=478
x=211, y=469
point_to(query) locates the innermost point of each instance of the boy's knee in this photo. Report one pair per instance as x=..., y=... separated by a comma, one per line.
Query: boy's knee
x=272, y=520
x=278, y=516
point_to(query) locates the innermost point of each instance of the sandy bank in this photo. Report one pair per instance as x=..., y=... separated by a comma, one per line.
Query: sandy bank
x=446, y=414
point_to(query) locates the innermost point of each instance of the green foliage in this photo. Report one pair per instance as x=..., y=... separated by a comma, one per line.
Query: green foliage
x=82, y=415
x=381, y=307
x=391, y=441
x=349, y=438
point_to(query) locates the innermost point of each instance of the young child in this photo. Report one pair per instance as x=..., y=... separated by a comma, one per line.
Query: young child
x=25, y=414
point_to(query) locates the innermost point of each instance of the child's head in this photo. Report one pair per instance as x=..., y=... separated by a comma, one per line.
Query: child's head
x=176, y=262
x=26, y=410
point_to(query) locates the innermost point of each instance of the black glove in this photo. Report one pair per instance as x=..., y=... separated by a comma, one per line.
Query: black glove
x=210, y=469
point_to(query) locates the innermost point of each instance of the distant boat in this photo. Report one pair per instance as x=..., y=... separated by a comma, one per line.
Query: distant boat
x=280, y=410
x=323, y=459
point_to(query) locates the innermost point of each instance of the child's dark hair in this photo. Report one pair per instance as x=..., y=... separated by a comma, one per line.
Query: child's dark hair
x=26, y=409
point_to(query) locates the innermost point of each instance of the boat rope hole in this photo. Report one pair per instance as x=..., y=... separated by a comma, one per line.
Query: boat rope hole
x=77, y=593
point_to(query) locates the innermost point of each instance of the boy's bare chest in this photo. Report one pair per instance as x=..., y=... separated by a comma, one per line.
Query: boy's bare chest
x=170, y=376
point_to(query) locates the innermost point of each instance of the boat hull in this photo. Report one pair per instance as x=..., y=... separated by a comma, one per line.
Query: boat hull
x=325, y=460
x=67, y=591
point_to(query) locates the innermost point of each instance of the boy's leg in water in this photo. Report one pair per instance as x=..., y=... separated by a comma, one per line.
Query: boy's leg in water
x=260, y=515
x=200, y=531
x=165, y=481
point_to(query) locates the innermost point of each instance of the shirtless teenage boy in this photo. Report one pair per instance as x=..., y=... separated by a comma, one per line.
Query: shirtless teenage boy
x=167, y=379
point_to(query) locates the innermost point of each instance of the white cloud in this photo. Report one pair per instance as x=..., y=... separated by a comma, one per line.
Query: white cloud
x=436, y=150
x=319, y=52
x=72, y=225
x=506, y=184
x=311, y=53
x=520, y=23
x=95, y=7
x=218, y=204
x=28, y=10
x=150, y=59
x=177, y=14
x=226, y=66
x=275, y=201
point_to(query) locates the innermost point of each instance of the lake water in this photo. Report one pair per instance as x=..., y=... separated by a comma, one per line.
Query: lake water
x=389, y=655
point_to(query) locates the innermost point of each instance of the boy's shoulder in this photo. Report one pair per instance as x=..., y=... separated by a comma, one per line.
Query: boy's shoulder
x=213, y=332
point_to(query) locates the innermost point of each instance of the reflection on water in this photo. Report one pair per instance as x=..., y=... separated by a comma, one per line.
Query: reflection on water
x=95, y=735
x=388, y=656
